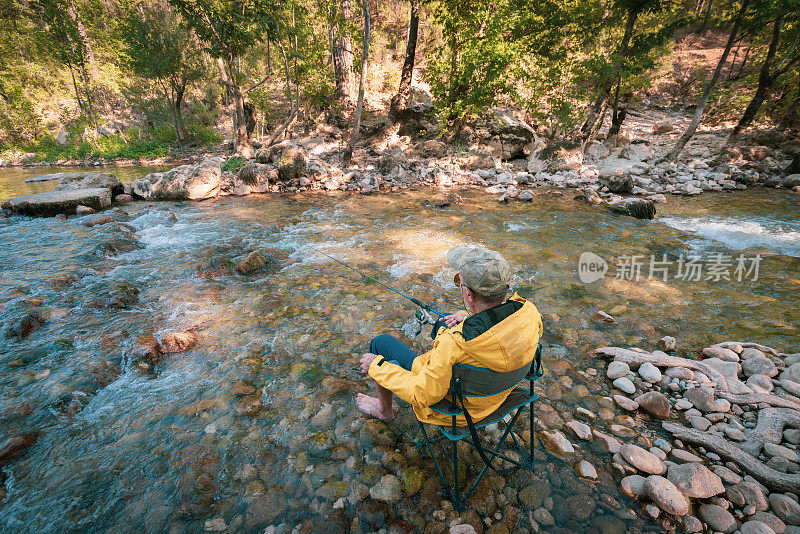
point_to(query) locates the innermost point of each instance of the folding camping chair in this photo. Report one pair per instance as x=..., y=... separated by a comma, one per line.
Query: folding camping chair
x=473, y=381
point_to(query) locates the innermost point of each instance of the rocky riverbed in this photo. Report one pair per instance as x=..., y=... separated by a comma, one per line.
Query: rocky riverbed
x=192, y=364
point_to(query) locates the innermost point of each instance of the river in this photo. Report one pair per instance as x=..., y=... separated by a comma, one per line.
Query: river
x=120, y=449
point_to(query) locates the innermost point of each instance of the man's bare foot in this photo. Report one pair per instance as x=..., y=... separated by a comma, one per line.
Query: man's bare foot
x=372, y=406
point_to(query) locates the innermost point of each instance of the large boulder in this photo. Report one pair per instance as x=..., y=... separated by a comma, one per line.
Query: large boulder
x=88, y=180
x=595, y=150
x=414, y=106
x=559, y=156
x=617, y=181
x=293, y=163
x=187, y=182
x=257, y=177
x=509, y=136
x=793, y=180
x=640, y=208
x=55, y=202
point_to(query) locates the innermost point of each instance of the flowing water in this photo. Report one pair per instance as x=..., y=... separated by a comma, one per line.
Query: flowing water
x=184, y=446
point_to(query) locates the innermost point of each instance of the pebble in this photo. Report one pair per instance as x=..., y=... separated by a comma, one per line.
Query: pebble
x=387, y=489
x=609, y=443
x=780, y=451
x=587, y=470
x=683, y=404
x=663, y=444
x=727, y=476
x=641, y=459
x=680, y=373
x=786, y=508
x=717, y=518
x=685, y=456
x=667, y=343
x=581, y=430
x=649, y=372
x=726, y=355
x=632, y=485
x=625, y=403
x=654, y=403
x=756, y=527
x=666, y=495
x=625, y=385
x=617, y=370
x=695, y=480
x=746, y=492
x=556, y=443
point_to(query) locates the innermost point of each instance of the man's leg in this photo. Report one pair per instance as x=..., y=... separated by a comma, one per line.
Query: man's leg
x=392, y=349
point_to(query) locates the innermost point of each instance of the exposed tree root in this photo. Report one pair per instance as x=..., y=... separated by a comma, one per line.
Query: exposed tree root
x=769, y=429
x=774, y=480
x=664, y=360
x=757, y=398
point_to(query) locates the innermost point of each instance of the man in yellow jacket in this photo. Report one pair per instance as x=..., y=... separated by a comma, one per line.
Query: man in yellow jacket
x=500, y=334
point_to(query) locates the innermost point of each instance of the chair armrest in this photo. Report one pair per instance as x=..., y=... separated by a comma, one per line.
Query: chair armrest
x=445, y=407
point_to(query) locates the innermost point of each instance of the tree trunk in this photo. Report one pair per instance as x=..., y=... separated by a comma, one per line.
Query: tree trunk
x=588, y=128
x=85, y=43
x=698, y=113
x=399, y=100
x=180, y=127
x=765, y=83
x=343, y=54
x=351, y=143
x=241, y=139
x=707, y=17
x=791, y=111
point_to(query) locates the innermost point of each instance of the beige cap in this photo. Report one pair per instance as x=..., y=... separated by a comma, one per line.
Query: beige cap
x=482, y=270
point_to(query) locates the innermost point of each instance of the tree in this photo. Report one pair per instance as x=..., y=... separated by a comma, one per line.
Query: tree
x=630, y=60
x=351, y=142
x=341, y=49
x=698, y=112
x=399, y=100
x=228, y=29
x=774, y=66
x=159, y=46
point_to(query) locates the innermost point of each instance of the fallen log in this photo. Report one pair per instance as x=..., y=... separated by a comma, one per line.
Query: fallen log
x=757, y=398
x=769, y=429
x=772, y=479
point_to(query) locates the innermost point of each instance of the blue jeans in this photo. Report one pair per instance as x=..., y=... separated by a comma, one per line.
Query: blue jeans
x=392, y=349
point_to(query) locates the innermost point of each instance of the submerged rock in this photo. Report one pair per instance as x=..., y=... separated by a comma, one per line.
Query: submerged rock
x=178, y=341
x=387, y=489
x=12, y=447
x=58, y=202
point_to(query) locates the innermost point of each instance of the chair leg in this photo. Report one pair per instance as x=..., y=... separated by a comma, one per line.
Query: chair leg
x=435, y=462
x=533, y=461
x=458, y=505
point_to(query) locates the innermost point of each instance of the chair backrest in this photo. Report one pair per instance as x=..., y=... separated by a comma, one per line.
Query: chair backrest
x=482, y=382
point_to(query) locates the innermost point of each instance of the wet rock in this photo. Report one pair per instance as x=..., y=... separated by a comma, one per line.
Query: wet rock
x=585, y=469
x=241, y=388
x=13, y=447
x=581, y=507
x=249, y=405
x=654, y=403
x=59, y=202
x=617, y=370
x=608, y=524
x=257, y=175
x=667, y=343
x=635, y=207
x=581, y=430
x=214, y=268
x=549, y=417
x=786, y=508
x=533, y=496
x=123, y=198
x=15, y=411
x=178, y=341
x=187, y=182
x=412, y=479
x=717, y=518
x=387, y=489
x=641, y=459
x=666, y=495
x=625, y=403
x=692, y=524
x=84, y=210
x=252, y=263
x=609, y=443
x=323, y=417
x=695, y=480
x=556, y=443
x=264, y=509
x=601, y=317
x=24, y=325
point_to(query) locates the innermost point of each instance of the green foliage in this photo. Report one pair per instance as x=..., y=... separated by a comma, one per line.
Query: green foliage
x=233, y=164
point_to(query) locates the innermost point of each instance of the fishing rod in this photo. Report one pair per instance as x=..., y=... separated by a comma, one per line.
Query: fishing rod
x=421, y=304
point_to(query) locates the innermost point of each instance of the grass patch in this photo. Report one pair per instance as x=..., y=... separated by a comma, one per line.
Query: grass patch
x=233, y=164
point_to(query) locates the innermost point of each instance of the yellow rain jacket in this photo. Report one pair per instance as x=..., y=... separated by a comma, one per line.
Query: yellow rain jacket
x=503, y=338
